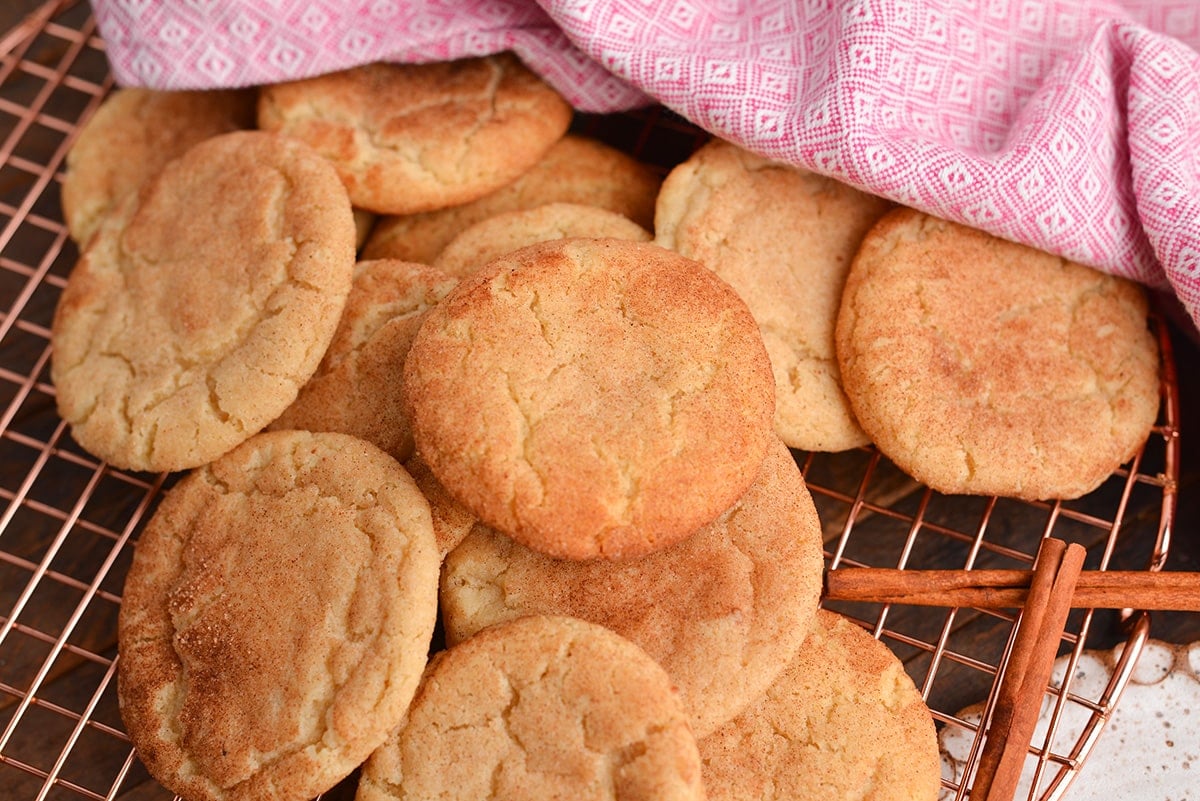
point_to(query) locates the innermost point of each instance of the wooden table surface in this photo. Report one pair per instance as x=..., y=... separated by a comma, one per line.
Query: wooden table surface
x=45, y=731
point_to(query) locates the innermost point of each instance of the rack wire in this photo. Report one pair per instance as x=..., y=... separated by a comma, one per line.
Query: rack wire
x=69, y=523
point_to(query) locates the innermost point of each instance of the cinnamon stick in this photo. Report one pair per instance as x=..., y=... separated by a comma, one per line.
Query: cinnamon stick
x=1029, y=626
x=1009, y=589
x=1016, y=737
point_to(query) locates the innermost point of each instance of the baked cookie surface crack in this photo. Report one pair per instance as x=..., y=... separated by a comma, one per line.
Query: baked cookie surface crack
x=213, y=302
x=277, y=617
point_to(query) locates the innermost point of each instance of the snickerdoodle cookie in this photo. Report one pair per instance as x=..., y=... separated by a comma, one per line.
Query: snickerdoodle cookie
x=132, y=135
x=540, y=708
x=276, y=618
x=591, y=397
x=357, y=388
x=843, y=720
x=198, y=310
x=986, y=367
x=576, y=169
x=723, y=611
x=784, y=238
x=477, y=245
x=452, y=522
x=407, y=138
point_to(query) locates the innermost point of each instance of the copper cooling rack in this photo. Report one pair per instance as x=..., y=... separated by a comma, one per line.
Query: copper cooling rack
x=68, y=523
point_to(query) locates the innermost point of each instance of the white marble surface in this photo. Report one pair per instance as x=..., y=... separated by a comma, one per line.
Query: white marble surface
x=1150, y=748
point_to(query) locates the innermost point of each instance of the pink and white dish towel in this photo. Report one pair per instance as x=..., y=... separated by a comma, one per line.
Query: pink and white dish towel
x=1070, y=125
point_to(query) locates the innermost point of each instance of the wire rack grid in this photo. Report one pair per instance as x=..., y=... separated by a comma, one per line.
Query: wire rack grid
x=69, y=523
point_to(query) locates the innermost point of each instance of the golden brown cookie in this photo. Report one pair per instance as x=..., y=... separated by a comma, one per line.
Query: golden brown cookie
x=547, y=708
x=276, y=618
x=132, y=135
x=783, y=237
x=982, y=366
x=357, y=387
x=723, y=611
x=197, y=312
x=452, y=522
x=575, y=169
x=842, y=721
x=479, y=244
x=591, y=397
x=407, y=138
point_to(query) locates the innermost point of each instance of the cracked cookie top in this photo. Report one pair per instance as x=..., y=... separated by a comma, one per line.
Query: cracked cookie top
x=357, y=387
x=196, y=312
x=408, y=138
x=133, y=134
x=783, y=237
x=986, y=367
x=488, y=239
x=276, y=618
x=591, y=397
x=843, y=720
x=722, y=612
x=549, y=708
x=576, y=169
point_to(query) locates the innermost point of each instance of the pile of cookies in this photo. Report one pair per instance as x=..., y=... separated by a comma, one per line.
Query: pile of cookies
x=428, y=358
